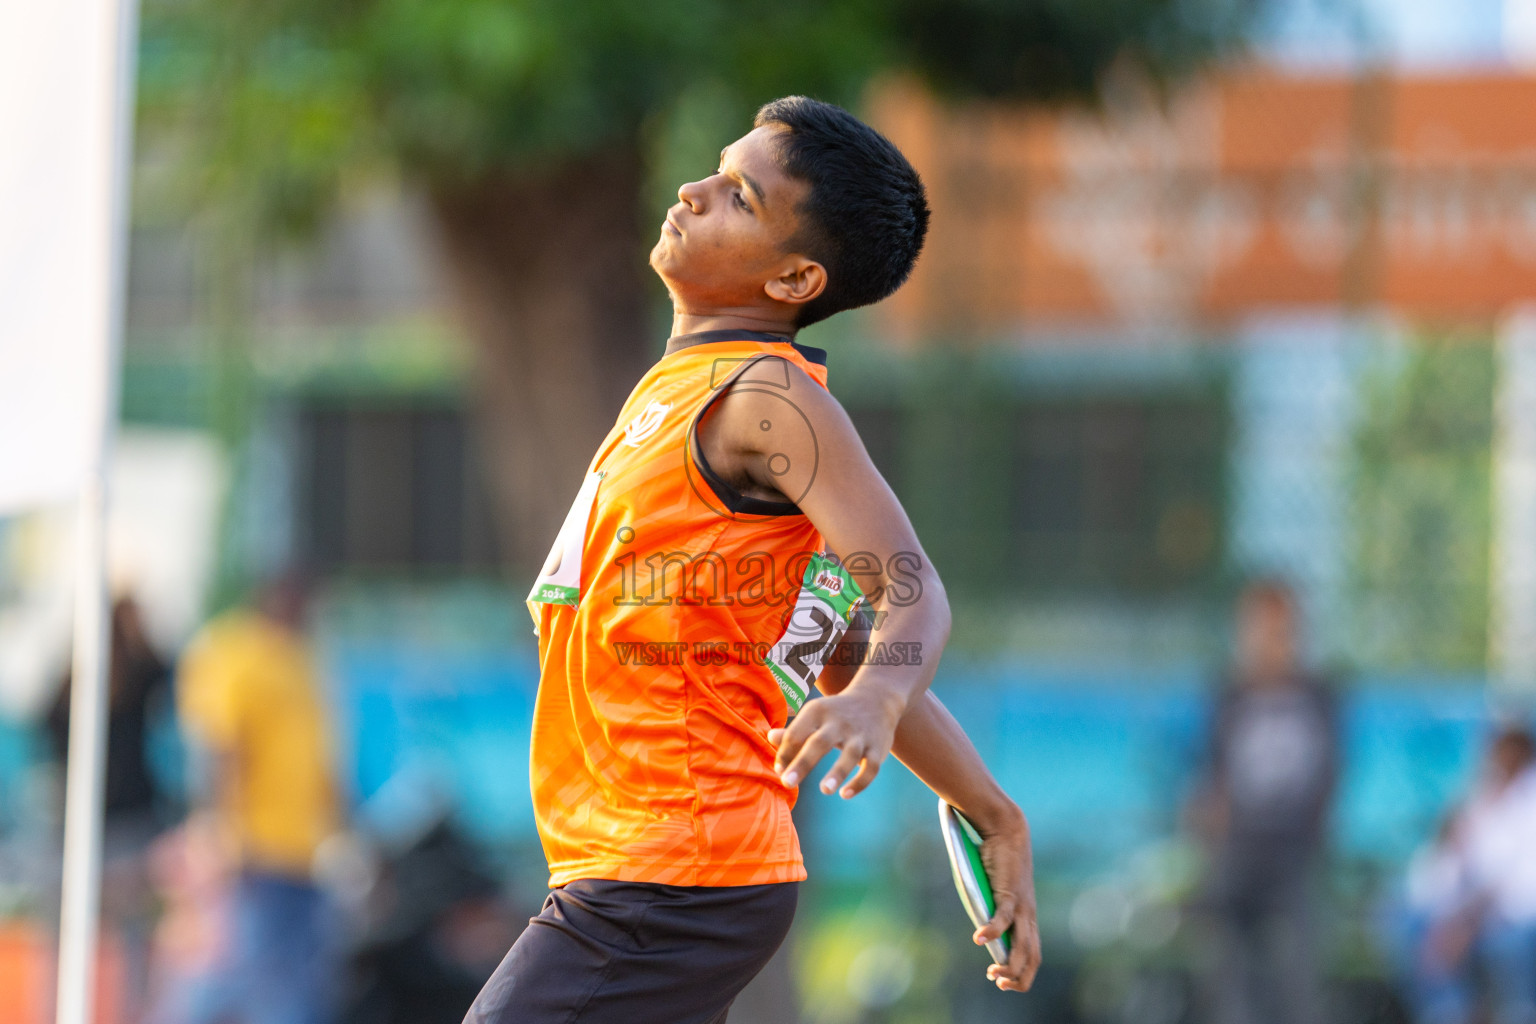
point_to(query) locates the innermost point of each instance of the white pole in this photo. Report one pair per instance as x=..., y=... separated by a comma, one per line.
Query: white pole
x=87, y=709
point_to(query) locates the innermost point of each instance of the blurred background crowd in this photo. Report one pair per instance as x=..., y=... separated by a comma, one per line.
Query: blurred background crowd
x=1213, y=398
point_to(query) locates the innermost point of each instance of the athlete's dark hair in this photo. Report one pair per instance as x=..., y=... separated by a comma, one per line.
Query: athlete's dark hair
x=866, y=214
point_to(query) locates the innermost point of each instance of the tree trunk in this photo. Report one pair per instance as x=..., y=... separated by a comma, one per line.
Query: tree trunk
x=549, y=275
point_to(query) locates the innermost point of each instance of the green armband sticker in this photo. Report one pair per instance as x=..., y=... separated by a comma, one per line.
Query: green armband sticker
x=826, y=600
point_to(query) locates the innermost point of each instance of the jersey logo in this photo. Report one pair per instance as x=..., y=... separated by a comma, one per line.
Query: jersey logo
x=644, y=425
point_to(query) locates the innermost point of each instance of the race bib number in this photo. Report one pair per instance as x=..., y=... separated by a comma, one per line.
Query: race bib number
x=827, y=598
x=560, y=580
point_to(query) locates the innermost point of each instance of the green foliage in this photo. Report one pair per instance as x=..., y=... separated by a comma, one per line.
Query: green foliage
x=1060, y=49
x=473, y=86
x=246, y=118
x=275, y=105
x=1421, y=509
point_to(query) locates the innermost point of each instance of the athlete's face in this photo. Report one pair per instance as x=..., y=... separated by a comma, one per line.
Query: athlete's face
x=726, y=243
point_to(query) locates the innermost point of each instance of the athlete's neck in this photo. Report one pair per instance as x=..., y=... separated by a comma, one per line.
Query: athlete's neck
x=686, y=323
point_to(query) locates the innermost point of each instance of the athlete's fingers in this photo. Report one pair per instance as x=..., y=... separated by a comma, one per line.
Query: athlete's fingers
x=1005, y=976
x=1018, y=974
x=810, y=754
x=775, y=736
x=789, y=743
x=852, y=754
x=1029, y=941
x=814, y=749
x=868, y=769
x=1002, y=918
x=794, y=736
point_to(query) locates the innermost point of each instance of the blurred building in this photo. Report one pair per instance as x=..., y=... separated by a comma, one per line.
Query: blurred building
x=1287, y=246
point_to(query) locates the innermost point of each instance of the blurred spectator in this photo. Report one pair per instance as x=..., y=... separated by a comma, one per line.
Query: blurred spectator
x=249, y=700
x=1435, y=894
x=1469, y=899
x=138, y=680
x=436, y=927
x=1263, y=811
x=190, y=870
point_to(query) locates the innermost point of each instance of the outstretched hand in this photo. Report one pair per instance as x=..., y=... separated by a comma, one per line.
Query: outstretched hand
x=859, y=723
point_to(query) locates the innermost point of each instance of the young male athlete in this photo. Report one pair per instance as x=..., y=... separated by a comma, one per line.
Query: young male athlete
x=732, y=544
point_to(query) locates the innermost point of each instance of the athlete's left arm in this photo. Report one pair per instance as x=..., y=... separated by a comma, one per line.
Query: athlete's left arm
x=933, y=745
x=782, y=431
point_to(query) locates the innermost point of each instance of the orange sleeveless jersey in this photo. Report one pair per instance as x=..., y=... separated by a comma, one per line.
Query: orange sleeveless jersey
x=677, y=624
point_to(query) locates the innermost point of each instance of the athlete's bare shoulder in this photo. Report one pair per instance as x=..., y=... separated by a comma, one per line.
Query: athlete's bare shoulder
x=779, y=428
x=768, y=384
x=762, y=412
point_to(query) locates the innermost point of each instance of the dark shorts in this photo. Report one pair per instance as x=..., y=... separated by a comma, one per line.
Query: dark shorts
x=637, y=953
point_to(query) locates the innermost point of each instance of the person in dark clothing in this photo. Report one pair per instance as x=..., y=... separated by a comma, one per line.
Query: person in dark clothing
x=135, y=810
x=1263, y=812
x=138, y=681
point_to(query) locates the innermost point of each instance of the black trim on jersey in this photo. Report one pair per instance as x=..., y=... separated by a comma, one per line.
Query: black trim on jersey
x=810, y=352
x=730, y=497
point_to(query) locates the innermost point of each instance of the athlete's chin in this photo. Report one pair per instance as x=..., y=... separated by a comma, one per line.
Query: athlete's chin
x=659, y=260
x=669, y=265
x=665, y=251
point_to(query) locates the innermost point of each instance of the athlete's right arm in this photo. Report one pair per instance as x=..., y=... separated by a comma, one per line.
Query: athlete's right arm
x=781, y=430
x=876, y=706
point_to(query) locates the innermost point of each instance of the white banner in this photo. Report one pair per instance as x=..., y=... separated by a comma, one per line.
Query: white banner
x=58, y=100
x=66, y=86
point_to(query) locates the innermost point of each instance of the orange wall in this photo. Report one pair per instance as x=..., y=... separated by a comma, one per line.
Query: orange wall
x=1249, y=191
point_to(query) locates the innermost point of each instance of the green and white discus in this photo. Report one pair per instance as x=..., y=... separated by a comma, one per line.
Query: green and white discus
x=963, y=843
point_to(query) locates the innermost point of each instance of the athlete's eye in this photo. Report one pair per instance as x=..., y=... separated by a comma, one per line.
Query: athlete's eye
x=742, y=202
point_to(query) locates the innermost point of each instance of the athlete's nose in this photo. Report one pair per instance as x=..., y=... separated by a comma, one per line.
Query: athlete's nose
x=693, y=194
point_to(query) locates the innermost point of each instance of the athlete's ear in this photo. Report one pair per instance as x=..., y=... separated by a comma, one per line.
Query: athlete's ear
x=799, y=281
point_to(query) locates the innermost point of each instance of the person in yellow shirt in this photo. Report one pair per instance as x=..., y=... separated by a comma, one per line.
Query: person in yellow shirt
x=249, y=701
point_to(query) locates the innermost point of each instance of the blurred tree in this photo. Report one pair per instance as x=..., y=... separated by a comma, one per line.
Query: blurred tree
x=1421, y=509
x=533, y=128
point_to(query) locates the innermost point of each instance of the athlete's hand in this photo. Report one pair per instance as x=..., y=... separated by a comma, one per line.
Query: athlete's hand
x=859, y=722
x=1010, y=868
